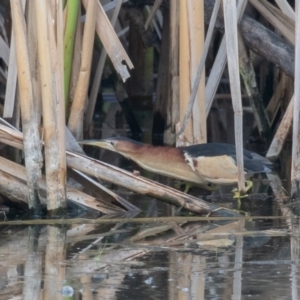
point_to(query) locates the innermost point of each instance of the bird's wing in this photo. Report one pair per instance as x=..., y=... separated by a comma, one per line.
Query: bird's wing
x=216, y=167
x=253, y=162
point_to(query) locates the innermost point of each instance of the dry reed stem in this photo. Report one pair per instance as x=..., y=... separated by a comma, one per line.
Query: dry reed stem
x=215, y=75
x=186, y=137
x=295, y=172
x=282, y=132
x=173, y=96
x=60, y=108
x=56, y=194
x=18, y=172
x=277, y=18
x=137, y=220
x=248, y=74
x=4, y=51
x=109, y=194
x=71, y=18
x=140, y=184
x=98, y=74
x=274, y=104
x=11, y=83
x=32, y=149
x=152, y=13
x=219, y=64
x=286, y=8
x=230, y=21
x=12, y=188
x=111, y=42
x=75, y=123
x=75, y=63
x=33, y=61
x=125, y=179
x=195, y=9
x=196, y=82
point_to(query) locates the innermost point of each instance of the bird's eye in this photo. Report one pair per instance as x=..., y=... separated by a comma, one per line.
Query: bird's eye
x=112, y=143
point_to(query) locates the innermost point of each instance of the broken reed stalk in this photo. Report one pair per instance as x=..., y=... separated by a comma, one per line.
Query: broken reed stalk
x=295, y=173
x=98, y=75
x=69, y=37
x=219, y=64
x=54, y=156
x=282, y=132
x=111, y=42
x=75, y=123
x=230, y=21
x=32, y=148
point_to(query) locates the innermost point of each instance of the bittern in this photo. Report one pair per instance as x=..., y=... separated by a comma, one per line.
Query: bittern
x=198, y=164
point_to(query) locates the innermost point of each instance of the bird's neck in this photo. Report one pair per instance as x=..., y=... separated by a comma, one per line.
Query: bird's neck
x=154, y=158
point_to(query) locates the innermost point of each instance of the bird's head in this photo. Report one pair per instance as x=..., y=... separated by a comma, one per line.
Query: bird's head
x=120, y=145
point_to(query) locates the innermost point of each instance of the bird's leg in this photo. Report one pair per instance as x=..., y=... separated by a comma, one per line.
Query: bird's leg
x=238, y=195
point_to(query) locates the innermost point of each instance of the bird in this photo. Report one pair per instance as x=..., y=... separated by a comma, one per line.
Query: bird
x=200, y=164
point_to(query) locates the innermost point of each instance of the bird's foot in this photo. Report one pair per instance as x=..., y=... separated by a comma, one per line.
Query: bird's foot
x=237, y=195
x=240, y=194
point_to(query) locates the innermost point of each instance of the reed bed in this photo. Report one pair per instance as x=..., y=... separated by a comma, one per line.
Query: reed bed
x=56, y=56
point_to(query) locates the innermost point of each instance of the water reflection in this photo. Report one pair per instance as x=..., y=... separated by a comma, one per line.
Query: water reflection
x=196, y=260
x=247, y=258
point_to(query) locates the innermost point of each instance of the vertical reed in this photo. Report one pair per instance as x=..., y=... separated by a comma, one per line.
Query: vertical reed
x=32, y=149
x=51, y=96
x=75, y=123
x=230, y=20
x=295, y=173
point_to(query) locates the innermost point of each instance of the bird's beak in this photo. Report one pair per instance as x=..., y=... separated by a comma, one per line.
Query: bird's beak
x=98, y=143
